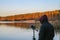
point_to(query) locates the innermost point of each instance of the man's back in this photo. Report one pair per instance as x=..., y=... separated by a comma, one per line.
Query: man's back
x=46, y=32
x=49, y=31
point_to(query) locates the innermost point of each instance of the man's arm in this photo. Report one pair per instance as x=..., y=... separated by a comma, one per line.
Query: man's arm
x=41, y=33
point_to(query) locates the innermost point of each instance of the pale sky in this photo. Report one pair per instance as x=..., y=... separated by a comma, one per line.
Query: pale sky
x=13, y=7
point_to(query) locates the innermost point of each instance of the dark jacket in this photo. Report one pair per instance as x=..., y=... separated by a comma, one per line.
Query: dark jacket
x=46, y=31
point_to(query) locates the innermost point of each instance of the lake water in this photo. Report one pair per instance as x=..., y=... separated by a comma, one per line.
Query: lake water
x=17, y=33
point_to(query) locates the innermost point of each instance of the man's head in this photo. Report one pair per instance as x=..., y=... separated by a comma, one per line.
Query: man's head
x=43, y=19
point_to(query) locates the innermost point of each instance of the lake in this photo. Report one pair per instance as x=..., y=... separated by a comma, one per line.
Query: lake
x=16, y=33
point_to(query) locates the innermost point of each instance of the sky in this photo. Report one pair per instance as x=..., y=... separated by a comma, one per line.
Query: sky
x=15, y=7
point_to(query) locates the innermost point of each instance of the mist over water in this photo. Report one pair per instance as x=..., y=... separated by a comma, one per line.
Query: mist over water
x=17, y=33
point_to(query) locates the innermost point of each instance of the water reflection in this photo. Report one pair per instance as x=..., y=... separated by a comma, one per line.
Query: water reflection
x=19, y=32
x=21, y=25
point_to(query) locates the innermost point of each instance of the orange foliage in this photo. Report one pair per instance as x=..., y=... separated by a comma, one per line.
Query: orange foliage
x=31, y=16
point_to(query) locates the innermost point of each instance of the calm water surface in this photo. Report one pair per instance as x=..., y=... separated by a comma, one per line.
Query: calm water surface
x=13, y=33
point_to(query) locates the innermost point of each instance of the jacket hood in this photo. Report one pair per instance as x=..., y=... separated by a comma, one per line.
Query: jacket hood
x=43, y=19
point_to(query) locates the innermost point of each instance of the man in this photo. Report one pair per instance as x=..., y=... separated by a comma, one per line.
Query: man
x=46, y=31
